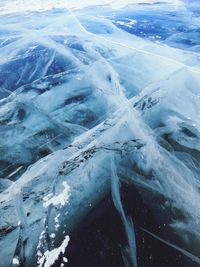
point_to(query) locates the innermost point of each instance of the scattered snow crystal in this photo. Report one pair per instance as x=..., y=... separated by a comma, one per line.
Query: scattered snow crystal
x=60, y=199
x=50, y=257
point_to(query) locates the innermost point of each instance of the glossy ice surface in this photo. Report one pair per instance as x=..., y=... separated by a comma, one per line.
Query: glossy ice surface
x=99, y=133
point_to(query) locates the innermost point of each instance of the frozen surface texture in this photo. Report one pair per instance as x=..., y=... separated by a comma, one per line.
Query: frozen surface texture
x=97, y=99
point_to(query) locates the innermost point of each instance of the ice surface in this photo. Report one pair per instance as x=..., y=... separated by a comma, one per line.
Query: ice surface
x=87, y=105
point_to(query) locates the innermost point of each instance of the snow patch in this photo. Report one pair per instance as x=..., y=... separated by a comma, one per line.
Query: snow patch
x=50, y=257
x=60, y=199
x=128, y=24
x=57, y=225
x=53, y=235
x=15, y=261
x=41, y=5
x=65, y=259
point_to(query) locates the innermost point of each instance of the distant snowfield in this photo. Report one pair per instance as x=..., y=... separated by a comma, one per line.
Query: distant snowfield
x=11, y=6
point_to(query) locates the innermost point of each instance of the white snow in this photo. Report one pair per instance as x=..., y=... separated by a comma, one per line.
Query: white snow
x=56, y=220
x=15, y=261
x=50, y=257
x=128, y=24
x=60, y=199
x=52, y=235
x=65, y=259
x=31, y=5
